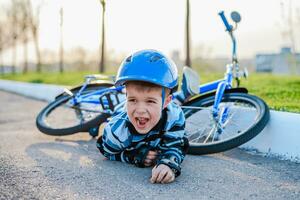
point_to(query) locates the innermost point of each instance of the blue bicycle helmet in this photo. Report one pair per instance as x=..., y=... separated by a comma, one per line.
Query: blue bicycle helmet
x=148, y=66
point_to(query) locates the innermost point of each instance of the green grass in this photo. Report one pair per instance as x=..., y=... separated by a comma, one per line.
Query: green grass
x=280, y=92
x=67, y=78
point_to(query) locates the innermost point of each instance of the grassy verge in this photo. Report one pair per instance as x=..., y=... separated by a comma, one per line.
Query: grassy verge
x=280, y=92
x=67, y=78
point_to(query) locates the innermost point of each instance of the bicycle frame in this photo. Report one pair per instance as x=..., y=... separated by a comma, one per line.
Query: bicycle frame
x=96, y=98
x=219, y=86
x=93, y=97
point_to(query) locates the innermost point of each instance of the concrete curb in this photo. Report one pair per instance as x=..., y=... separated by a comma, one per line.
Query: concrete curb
x=44, y=92
x=280, y=138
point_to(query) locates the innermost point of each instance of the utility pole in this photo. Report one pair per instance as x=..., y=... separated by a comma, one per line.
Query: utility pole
x=187, y=32
x=102, y=53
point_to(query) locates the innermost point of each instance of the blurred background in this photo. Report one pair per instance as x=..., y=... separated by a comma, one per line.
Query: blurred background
x=95, y=35
x=60, y=41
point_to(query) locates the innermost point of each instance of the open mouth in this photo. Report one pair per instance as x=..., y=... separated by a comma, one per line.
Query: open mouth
x=141, y=121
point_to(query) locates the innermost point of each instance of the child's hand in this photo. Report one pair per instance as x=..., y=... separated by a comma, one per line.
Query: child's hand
x=162, y=174
x=150, y=158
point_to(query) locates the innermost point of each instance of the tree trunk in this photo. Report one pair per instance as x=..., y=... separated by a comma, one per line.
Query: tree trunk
x=37, y=51
x=61, y=51
x=14, y=57
x=25, y=46
x=61, y=56
x=1, y=63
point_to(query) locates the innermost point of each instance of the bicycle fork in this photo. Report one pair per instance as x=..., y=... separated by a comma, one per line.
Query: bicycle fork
x=220, y=115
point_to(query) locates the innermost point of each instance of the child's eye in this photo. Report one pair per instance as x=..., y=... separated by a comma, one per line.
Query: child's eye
x=151, y=101
x=131, y=100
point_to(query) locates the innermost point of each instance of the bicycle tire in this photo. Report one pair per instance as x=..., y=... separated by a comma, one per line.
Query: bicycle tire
x=203, y=115
x=44, y=126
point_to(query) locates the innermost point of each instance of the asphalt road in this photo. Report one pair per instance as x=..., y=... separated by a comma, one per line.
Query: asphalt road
x=37, y=166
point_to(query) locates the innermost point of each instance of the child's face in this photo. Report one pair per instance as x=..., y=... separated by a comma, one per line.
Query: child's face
x=144, y=107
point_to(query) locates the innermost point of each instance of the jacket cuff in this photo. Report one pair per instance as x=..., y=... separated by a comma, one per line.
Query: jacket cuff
x=174, y=167
x=140, y=156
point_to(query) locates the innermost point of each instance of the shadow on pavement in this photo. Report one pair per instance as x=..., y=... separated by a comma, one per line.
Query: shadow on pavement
x=79, y=167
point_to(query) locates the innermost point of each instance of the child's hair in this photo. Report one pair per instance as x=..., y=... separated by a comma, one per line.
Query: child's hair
x=143, y=86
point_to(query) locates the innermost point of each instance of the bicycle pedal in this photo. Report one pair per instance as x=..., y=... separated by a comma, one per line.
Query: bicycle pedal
x=94, y=131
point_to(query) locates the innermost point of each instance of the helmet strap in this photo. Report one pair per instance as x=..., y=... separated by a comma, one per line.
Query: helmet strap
x=163, y=95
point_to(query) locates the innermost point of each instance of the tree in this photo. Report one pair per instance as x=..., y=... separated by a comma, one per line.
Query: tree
x=4, y=33
x=1, y=46
x=33, y=23
x=23, y=22
x=20, y=22
x=13, y=17
x=61, y=49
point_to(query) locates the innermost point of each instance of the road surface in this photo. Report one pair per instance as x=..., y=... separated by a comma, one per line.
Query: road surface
x=37, y=166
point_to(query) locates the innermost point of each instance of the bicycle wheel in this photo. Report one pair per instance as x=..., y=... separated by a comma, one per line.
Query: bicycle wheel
x=245, y=116
x=61, y=118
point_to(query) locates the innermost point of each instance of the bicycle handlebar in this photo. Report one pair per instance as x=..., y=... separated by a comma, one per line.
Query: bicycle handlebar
x=227, y=25
x=230, y=30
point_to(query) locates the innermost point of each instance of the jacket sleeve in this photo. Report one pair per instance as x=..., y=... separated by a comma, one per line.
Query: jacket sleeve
x=173, y=150
x=112, y=148
x=174, y=144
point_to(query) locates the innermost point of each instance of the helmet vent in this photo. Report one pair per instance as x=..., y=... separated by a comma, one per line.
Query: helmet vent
x=129, y=59
x=155, y=58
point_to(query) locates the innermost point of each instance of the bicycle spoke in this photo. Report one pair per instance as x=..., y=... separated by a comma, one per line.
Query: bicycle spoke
x=200, y=135
x=210, y=133
x=195, y=107
x=229, y=119
x=238, y=117
x=79, y=115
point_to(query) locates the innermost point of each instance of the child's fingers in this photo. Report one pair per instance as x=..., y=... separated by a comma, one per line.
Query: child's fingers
x=170, y=177
x=152, y=153
x=161, y=175
x=148, y=162
x=155, y=174
x=151, y=157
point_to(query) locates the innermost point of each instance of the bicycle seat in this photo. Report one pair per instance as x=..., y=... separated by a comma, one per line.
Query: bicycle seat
x=190, y=82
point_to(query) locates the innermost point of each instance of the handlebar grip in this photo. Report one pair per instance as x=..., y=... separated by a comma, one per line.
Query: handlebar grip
x=227, y=25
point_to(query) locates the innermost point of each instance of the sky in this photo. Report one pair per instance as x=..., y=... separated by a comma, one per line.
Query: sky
x=159, y=24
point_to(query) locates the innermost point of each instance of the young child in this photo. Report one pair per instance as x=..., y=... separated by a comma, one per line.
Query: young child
x=151, y=130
